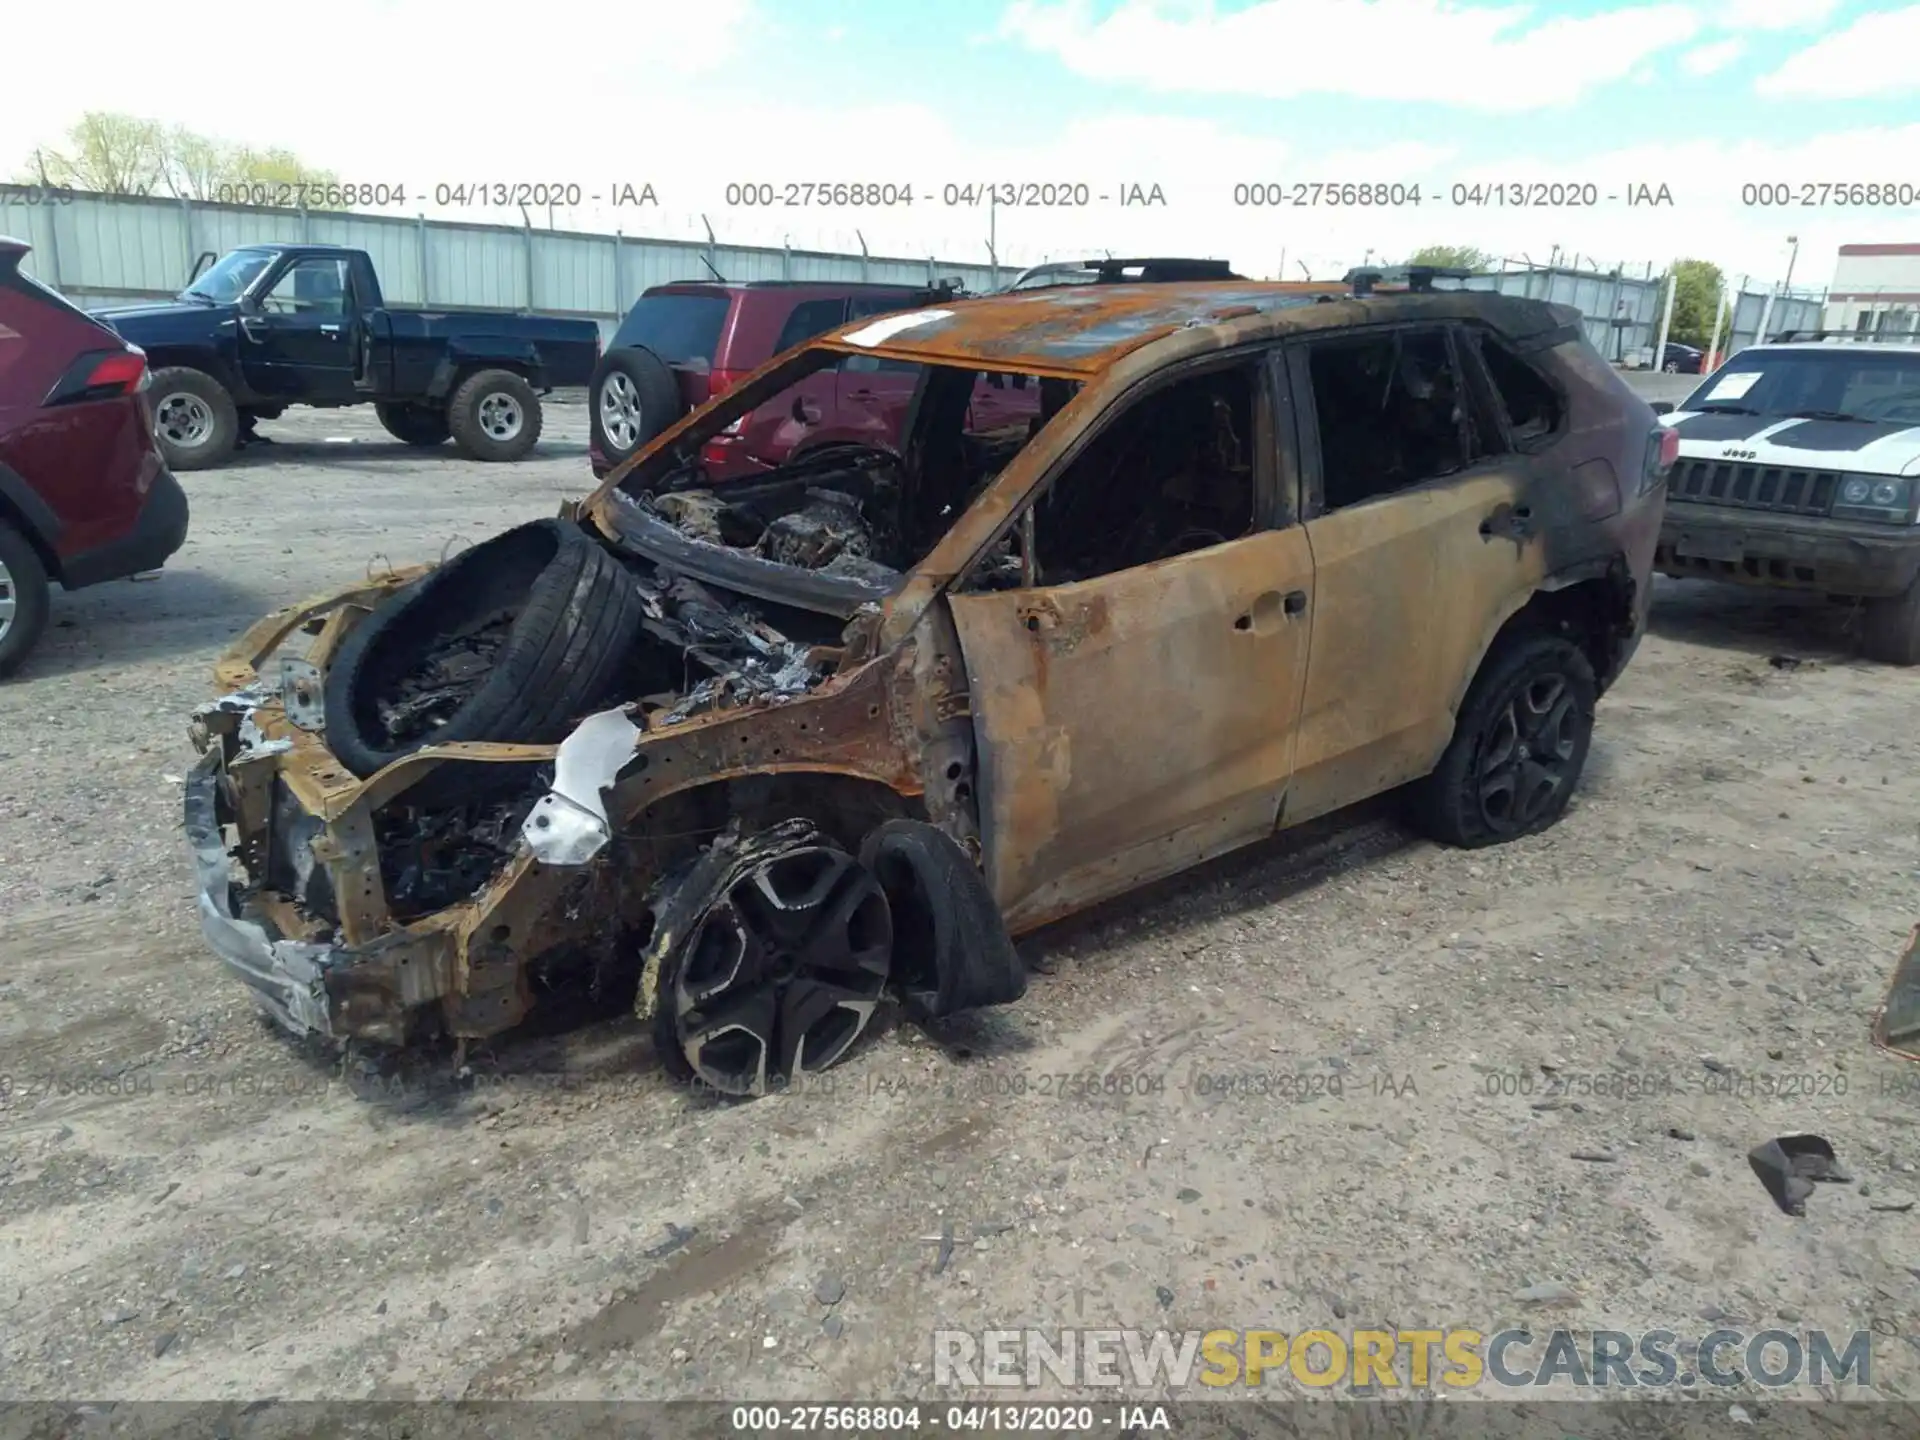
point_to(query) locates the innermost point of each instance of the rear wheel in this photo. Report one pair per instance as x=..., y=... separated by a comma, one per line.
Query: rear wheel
x=1893, y=628
x=422, y=425
x=194, y=419
x=1518, y=746
x=23, y=598
x=494, y=415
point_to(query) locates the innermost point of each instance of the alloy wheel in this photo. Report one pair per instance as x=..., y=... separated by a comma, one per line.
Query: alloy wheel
x=501, y=417
x=183, y=419
x=1527, y=754
x=620, y=410
x=783, y=972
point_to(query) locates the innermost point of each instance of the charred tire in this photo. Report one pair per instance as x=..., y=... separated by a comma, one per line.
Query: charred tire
x=576, y=615
x=1518, y=746
x=1892, y=628
x=24, y=597
x=951, y=951
x=494, y=415
x=421, y=425
x=631, y=398
x=194, y=419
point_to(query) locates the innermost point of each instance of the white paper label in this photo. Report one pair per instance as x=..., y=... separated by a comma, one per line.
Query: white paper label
x=888, y=326
x=1733, y=386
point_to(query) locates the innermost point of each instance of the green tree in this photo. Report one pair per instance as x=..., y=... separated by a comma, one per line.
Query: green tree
x=1450, y=257
x=1697, y=291
x=105, y=153
x=112, y=154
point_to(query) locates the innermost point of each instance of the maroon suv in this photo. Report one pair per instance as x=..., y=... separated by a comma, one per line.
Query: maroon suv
x=684, y=343
x=84, y=496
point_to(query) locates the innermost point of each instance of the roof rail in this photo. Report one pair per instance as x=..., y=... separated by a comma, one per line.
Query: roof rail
x=1417, y=278
x=1788, y=337
x=1110, y=271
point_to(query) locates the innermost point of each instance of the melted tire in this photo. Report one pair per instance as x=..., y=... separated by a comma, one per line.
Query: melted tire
x=951, y=949
x=576, y=616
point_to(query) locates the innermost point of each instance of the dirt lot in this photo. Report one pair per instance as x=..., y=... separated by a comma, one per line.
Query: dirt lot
x=248, y=1218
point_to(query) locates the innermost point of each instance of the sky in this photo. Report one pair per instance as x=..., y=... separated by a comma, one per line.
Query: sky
x=1199, y=108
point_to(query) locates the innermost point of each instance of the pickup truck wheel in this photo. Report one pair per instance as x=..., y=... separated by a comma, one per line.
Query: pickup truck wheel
x=512, y=640
x=421, y=425
x=634, y=397
x=494, y=415
x=1893, y=628
x=194, y=418
x=23, y=598
x=1519, y=745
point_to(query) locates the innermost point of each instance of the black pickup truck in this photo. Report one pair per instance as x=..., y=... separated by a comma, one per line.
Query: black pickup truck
x=269, y=326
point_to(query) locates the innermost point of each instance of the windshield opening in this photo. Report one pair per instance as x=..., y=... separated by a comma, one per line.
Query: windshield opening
x=227, y=279
x=851, y=467
x=1838, y=381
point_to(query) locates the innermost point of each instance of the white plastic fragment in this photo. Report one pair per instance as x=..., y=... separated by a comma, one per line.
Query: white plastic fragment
x=568, y=825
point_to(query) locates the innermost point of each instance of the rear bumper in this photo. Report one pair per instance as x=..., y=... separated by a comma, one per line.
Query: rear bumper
x=158, y=531
x=1798, y=552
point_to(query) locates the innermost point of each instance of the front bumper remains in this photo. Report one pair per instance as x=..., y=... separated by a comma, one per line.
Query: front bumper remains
x=287, y=977
x=1802, y=552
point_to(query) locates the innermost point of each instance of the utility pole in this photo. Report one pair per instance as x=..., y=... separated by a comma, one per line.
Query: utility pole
x=1666, y=319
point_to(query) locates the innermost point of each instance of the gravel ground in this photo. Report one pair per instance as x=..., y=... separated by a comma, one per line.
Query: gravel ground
x=1730, y=889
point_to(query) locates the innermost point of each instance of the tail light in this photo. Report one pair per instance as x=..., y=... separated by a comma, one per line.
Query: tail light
x=101, y=375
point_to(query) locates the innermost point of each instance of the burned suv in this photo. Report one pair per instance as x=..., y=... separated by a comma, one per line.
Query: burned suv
x=759, y=755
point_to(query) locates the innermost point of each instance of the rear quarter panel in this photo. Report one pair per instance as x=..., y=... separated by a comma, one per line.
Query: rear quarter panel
x=89, y=464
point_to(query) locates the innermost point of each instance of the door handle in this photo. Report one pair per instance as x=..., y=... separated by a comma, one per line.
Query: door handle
x=1515, y=522
x=247, y=324
x=805, y=411
x=1260, y=619
x=332, y=330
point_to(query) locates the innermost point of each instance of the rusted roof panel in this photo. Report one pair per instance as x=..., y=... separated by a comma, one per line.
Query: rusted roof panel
x=1080, y=329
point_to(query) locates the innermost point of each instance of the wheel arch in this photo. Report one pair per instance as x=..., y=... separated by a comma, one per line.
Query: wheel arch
x=1592, y=603
x=23, y=511
x=207, y=362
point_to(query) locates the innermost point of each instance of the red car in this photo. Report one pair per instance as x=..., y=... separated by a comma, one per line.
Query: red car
x=686, y=342
x=84, y=495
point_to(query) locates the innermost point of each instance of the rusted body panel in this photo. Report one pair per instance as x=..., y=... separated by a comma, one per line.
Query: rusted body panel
x=1135, y=724
x=1409, y=591
x=472, y=958
x=1077, y=740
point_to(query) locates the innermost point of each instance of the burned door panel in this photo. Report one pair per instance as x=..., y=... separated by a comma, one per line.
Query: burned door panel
x=1134, y=724
x=1411, y=586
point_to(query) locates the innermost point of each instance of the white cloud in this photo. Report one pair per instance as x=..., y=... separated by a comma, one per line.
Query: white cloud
x=1772, y=14
x=1504, y=58
x=377, y=86
x=1712, y=58
x=1872, y=56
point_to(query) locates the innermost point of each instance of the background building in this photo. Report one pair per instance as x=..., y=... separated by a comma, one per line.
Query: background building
x=1876, y=289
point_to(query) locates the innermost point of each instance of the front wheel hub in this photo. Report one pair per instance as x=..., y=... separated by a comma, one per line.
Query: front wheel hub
x=783, y=972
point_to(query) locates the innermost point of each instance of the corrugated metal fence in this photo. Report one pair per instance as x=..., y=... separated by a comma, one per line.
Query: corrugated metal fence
x=105, y=249
x=100, y=250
